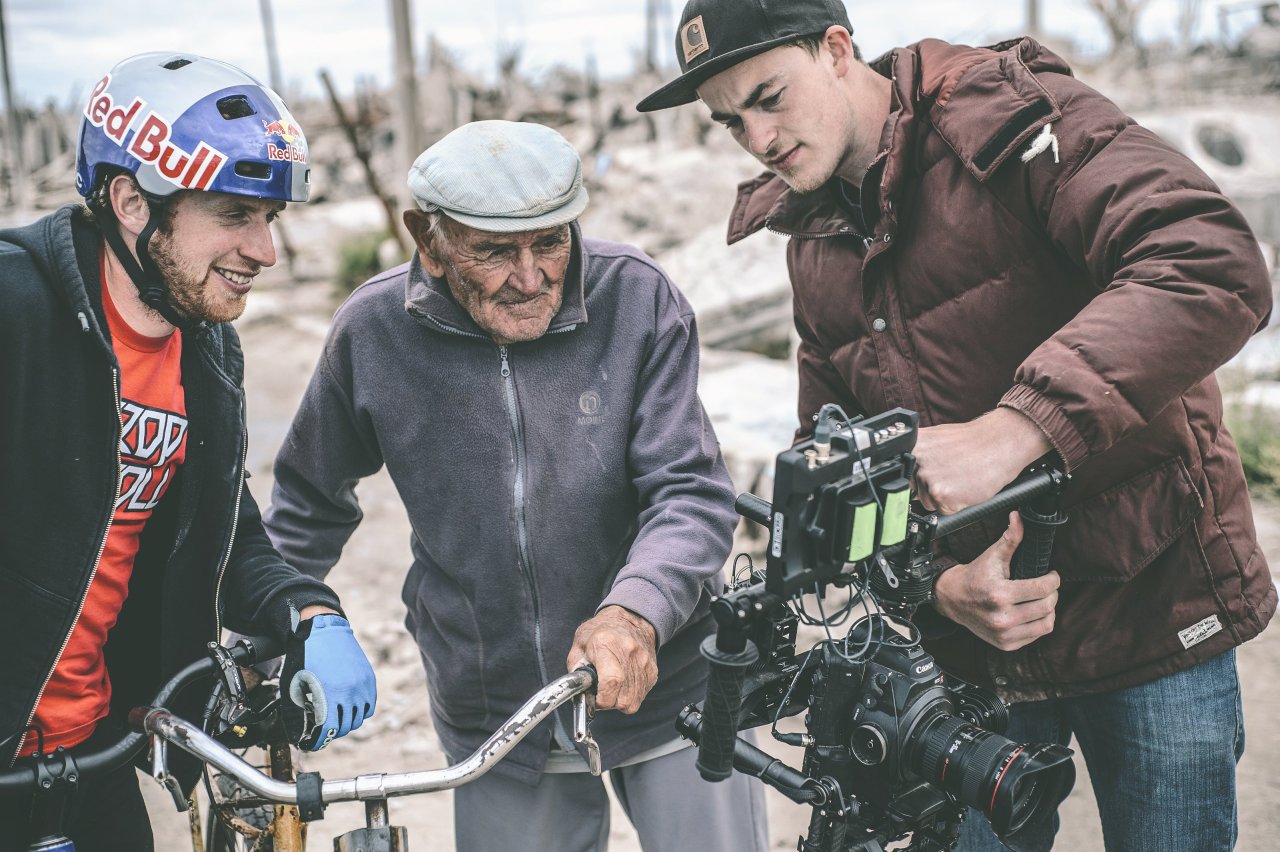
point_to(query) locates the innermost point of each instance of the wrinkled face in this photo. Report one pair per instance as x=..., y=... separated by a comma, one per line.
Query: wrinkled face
x=210, y=250
x=512, y=285
x=786, y=108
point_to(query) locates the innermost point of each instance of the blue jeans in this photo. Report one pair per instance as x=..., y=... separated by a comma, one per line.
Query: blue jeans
x=1162, y=758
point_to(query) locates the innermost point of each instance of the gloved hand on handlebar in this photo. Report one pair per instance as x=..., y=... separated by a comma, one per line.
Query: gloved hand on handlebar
x=327, y=685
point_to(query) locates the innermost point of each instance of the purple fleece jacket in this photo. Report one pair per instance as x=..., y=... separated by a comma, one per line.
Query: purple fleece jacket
x=543, y=481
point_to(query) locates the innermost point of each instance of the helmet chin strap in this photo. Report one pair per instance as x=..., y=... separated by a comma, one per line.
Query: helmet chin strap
x=143, y=272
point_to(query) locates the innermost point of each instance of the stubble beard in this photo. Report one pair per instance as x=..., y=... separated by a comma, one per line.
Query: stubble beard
x=188, y=291
x=800, y=183
x=798, y=186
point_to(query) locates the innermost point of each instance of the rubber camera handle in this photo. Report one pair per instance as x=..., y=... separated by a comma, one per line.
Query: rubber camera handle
x=1035, y=552
x=721, y=709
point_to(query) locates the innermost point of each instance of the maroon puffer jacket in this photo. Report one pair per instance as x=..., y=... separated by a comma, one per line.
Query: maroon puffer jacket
x=1095, y=287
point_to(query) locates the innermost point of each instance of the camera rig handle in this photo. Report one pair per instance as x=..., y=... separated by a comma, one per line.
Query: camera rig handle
x=722, y=706
x=729, y=653
x=754, y=508
x=1034, y=486
x=1037, y=497
x=1040, y=520
x=749, y=760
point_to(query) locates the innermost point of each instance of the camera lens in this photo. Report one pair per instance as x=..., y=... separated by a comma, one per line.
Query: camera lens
x=1012, y=783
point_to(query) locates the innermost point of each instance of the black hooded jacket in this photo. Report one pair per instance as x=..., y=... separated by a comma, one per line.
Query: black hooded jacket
x=204, y=563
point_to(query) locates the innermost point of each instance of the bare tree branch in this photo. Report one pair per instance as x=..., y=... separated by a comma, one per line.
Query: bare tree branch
x=1188, y=18
x=1121, y=20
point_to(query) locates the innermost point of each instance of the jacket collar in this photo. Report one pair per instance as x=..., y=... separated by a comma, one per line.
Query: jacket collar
x=984, y=102
x=51, y=243
x=428, y=297
x=65, y=247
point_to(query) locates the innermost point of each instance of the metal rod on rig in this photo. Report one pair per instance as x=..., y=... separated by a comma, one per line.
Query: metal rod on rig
x=754, y=508
x=1037, y=484
x=757, y=763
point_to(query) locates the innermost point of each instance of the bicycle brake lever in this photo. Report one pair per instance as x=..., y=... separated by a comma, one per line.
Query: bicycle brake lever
x=160, y=771
x=312, y=728
x=233, y=707
x=583, y=709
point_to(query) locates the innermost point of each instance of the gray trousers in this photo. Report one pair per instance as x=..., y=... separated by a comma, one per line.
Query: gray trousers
x=671, y=807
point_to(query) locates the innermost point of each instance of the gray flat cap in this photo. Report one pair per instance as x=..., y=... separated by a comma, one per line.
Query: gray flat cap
x=501, y=176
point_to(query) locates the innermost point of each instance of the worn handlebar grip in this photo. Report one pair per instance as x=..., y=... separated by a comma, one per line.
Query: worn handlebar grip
x=721, y=708
x=1035, y=551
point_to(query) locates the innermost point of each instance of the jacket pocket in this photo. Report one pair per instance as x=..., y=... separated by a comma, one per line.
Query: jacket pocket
x=34, y=624
x=1113, y=535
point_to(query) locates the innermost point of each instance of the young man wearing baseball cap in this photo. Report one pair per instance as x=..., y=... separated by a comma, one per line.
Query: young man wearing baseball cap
x=533, y=393
x=979, y=237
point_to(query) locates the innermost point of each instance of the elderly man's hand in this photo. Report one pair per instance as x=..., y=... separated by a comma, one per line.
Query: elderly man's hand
x=623, y=648
x=1001, y=612
x=962, y=464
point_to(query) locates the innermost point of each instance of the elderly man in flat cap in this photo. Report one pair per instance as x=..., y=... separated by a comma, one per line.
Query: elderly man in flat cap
x=533, y=395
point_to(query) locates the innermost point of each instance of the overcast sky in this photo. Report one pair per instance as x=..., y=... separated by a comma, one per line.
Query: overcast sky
x=57, y=47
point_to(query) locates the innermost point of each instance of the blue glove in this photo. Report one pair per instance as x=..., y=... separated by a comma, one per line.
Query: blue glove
x=328, y=684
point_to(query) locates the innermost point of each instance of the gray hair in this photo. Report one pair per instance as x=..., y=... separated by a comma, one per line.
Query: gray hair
x=440, y=228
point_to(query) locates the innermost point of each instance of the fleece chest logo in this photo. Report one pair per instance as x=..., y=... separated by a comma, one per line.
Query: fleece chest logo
x=152, y=141
x=693, y=39
x=149, y=442
x=590, y=406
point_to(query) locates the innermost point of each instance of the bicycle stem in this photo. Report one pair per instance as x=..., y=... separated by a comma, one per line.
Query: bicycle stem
x=163, y=727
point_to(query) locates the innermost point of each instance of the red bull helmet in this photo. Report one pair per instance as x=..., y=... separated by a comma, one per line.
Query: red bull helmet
x=180, y=121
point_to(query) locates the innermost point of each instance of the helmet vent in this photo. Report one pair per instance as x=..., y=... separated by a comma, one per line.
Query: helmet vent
x=257, y=171
x=235, y=106
x=175, y=64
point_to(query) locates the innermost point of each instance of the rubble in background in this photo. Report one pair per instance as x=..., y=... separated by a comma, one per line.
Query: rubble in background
x=665, y=182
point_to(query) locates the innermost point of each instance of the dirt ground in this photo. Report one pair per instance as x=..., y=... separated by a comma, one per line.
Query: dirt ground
x=281, y=352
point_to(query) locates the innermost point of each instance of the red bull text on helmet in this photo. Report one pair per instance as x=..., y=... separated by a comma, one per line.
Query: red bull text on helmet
x=152, y=143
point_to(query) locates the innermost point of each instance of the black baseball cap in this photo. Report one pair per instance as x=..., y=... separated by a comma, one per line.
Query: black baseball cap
x=717, y=34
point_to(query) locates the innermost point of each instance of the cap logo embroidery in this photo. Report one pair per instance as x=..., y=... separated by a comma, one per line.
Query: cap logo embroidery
x=693, y=38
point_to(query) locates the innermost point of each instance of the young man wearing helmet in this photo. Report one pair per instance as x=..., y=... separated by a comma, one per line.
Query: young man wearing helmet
x=979, y=237
x=129, y=538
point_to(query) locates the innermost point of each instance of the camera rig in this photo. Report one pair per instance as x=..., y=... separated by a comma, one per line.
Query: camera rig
x=894, y=748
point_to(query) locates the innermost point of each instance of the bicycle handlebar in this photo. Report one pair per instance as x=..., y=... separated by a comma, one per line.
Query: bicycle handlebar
x=190, y=738
x=26, y=776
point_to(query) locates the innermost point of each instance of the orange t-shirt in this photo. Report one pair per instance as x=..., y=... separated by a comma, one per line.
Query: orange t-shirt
x=153, y=444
